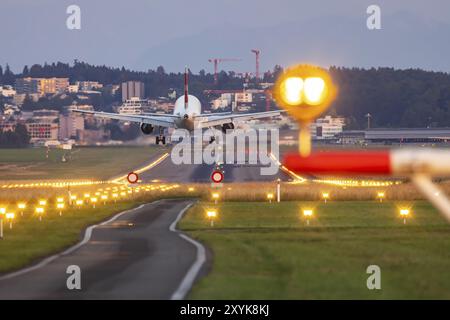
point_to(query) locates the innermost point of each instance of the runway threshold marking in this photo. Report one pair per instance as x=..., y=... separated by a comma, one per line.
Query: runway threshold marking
x=86, y=238
x=188, y=280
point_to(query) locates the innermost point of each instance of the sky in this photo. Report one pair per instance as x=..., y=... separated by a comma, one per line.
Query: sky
x=143, y=34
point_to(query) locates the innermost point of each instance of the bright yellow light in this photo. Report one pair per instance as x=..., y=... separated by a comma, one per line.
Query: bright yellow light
x=115, y=195
x=404, y=212
x=307, y=212
x=215, y=195
x=2, y=210
x=60, y=205
x=123, y=193
x=314, y=89
x=270, y=196
x=59, y=200
x=380, y=194
x=10, y=215
x=21, y=205
x=191, y=189
x=74, y=197
x=79, y=202
x=87, y=195
x=42, y=202
x=325, y=195
x=211, y=213
x=291, y=89
x=93, y=200
x=39, y=210
x=104, y=197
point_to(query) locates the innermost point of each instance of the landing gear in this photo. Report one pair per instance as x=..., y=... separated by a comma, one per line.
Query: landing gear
x=161, y=139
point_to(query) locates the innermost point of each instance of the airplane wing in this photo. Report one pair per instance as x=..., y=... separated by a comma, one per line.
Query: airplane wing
x=212, y=121
x=160, y=120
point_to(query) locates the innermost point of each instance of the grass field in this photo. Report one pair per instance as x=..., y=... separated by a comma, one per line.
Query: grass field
x=31, y=239
x=82, y=163
x=266, y=251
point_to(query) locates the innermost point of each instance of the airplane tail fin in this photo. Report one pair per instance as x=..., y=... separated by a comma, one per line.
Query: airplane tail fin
x=186, y=89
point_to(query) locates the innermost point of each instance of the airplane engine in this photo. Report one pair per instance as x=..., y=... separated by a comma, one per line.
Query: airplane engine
x=227, y=126
x=147, y=128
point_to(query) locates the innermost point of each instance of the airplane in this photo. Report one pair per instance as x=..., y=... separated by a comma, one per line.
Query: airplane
x=186, y=115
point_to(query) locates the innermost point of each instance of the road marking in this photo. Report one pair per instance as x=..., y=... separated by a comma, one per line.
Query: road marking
x=87, y=237
x=188, y=280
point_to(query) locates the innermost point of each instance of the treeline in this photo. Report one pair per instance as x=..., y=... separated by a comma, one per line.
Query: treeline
x=15, y=139
x=394, y=98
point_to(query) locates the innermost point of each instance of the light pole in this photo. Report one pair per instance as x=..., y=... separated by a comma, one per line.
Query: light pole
x=278, y=190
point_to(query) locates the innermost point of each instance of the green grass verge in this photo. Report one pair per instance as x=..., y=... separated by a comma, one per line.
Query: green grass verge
x=82, y=163
x=266, y=251
x=31, y=239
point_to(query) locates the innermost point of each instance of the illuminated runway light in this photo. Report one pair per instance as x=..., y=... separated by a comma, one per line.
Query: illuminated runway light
x=270, y=197
x=325, y=196
x=40, y=212
x=211, y=214
x=10, y=217
x=42, y=202
x=308, y=213
x=405, y=212
x=381, y=195
x=94, y=201
x=21, y=206
x=60, y=207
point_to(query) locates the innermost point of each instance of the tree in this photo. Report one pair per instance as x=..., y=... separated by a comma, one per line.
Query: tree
x=25, y=71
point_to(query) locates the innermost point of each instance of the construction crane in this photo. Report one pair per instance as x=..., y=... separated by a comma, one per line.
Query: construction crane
x=216, y=62
x=257, y=53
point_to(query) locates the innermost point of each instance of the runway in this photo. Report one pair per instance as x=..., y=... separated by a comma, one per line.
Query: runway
x=168, y=171
x=135, y=256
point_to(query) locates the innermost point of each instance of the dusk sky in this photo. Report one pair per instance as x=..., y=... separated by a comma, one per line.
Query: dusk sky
x=142, y=34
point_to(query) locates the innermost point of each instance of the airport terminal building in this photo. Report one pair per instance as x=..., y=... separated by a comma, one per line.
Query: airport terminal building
x=400, y=135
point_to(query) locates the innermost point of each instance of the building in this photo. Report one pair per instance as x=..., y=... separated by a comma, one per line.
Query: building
x=134, y=106
x=397, y=135
x=327, y=128
x=132, y=89
x=43, y=126
x=222, y=102
x=41, y=86
x=88, y=85
x=7, y=91
x=70, y=126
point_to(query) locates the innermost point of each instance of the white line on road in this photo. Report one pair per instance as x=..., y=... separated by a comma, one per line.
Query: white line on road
x=188, y=280
x=87, y=237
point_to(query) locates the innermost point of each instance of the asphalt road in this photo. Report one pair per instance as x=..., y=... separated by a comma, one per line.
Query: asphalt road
x=135, y=256
x=167, y=171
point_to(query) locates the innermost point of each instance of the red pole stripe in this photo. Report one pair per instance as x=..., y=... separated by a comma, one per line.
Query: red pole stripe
x=341, y=162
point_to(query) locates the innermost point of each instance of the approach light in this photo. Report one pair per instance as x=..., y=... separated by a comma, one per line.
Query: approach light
x=325, y=196
x=39, y=211
x=308, y=213
x=211, y=214
x=21, y=206
x=305, y=92
x=60, y=200
x=10, y=217
x=404, y=212
x=42, y=202
x=60, y=207
x=79, y=202
x=381, y=196
x=270, y=197
x=94, y=201
x=2, y=210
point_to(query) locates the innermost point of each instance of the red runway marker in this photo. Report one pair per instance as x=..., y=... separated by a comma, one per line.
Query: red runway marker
x=132, y=177
x=341, y=162
x=217, y=176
